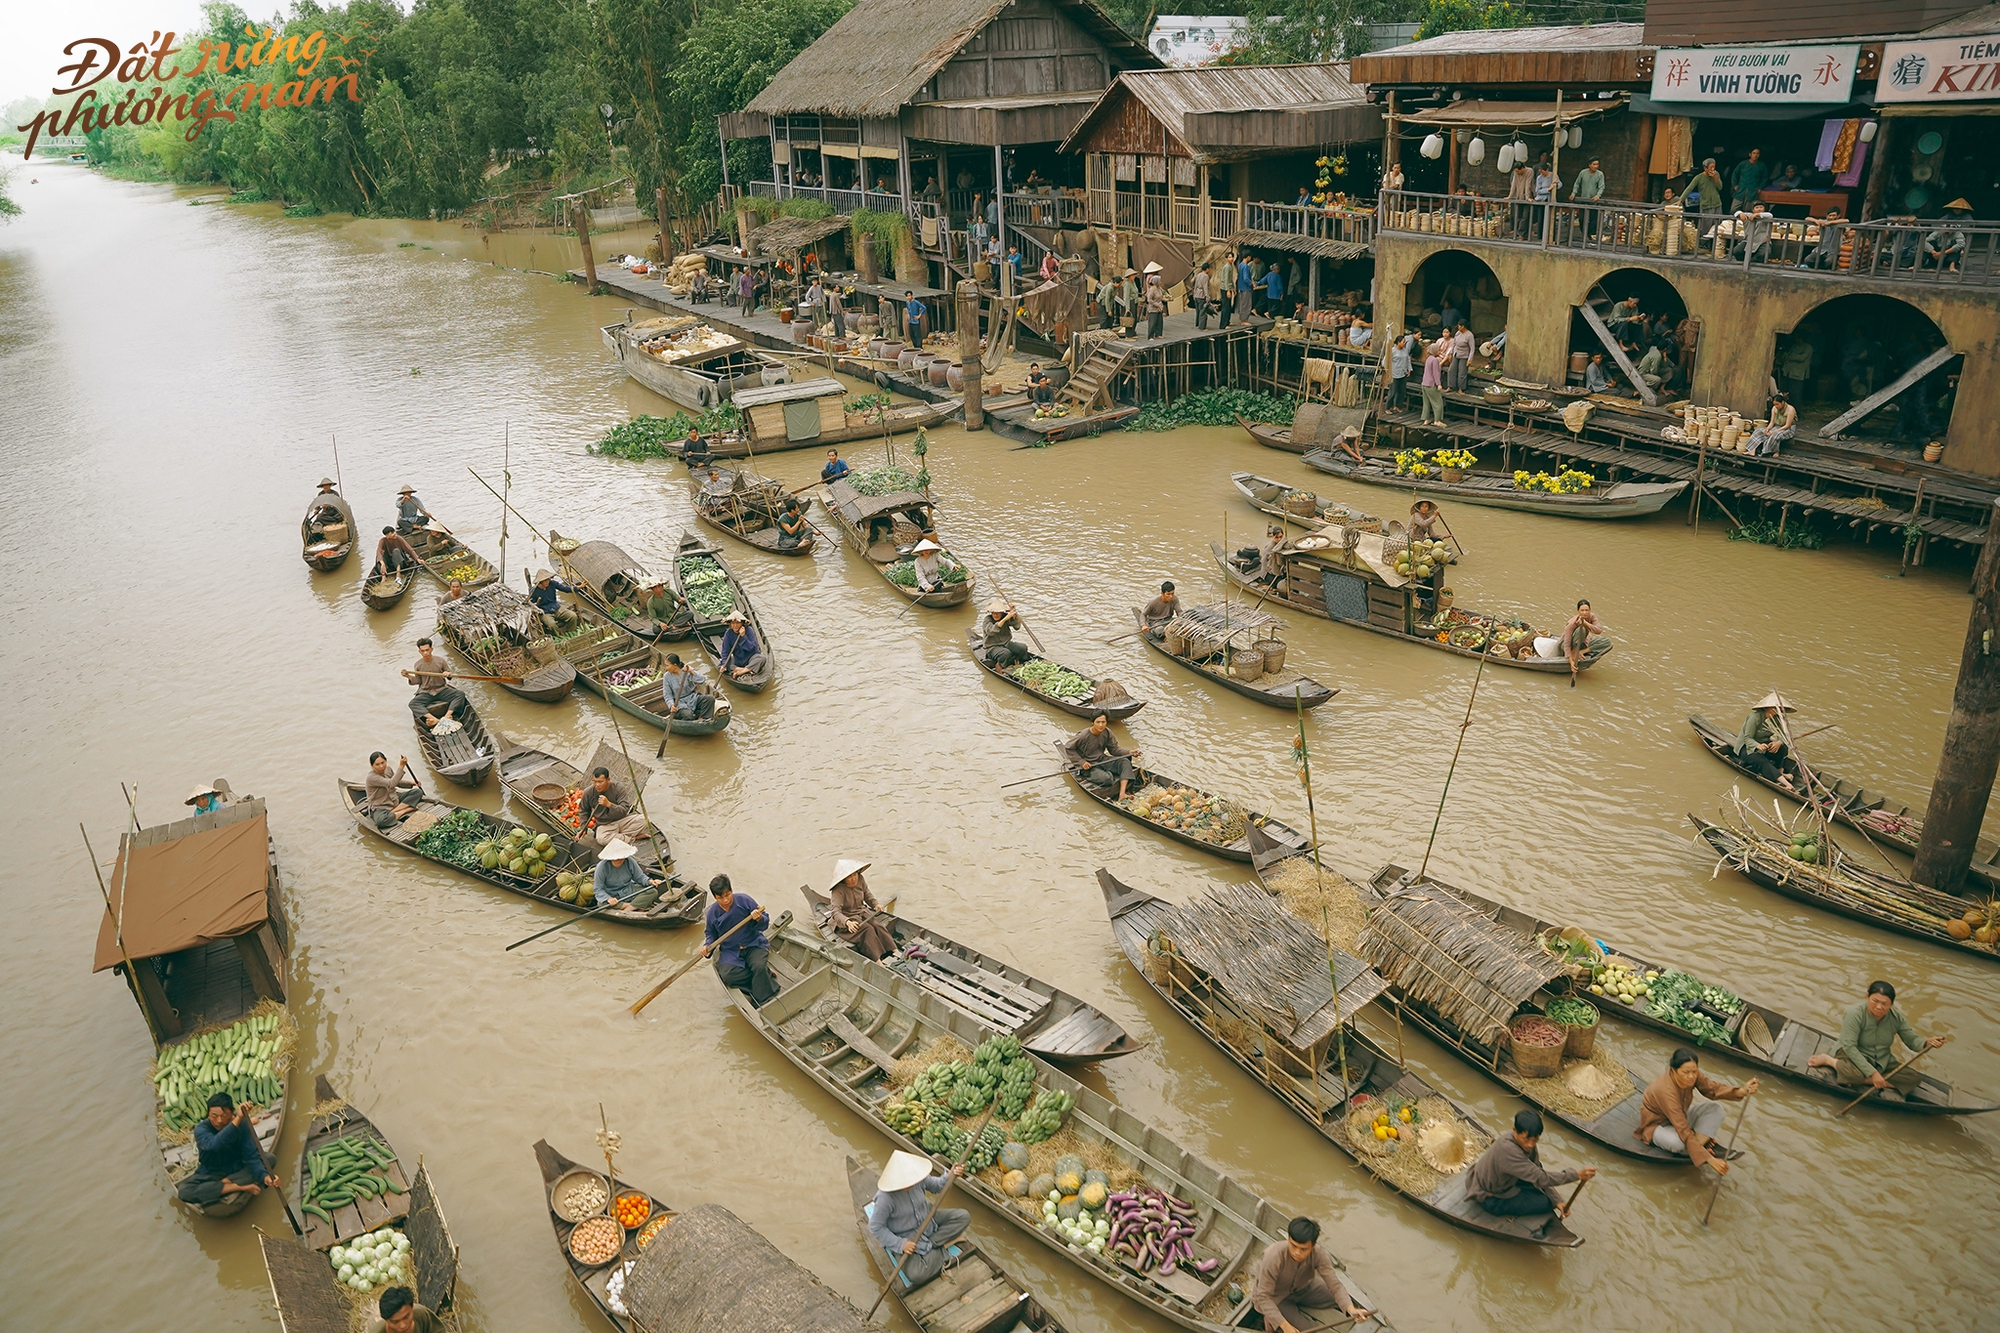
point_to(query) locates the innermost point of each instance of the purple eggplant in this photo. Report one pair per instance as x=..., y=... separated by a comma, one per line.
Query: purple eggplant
x=1207, y=1267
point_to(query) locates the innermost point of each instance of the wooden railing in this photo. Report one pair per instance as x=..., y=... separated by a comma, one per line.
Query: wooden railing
x=1317, y=222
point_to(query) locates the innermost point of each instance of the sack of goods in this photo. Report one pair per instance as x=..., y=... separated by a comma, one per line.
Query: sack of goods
x=680, y=274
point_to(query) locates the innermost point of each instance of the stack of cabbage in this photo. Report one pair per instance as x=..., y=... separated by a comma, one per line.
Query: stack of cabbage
x=378, y=1259
x=709, y=595
x=239, y=1060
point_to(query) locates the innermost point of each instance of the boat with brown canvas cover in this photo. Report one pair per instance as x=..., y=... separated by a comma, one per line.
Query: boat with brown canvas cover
x=1083, y=705
x=496, y=630
x=327, y=533
x=1755, y=1034
x=615, y=584
x=1255, y=983
x=1052, y=1023
x=974, y=1295
x=1886, y=821
x=671, y=912
x=698, y=563
x=813, y=414
x=446, y=560
x=1153, y=785
x=859, y=517
x=202, y=894
x=740, y=504
x=310, y=1296
x=1216, y=643
x=848, y=1024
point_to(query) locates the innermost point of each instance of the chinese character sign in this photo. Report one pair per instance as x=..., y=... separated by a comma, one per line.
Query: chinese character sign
x=1755, y=75
x=1944, y=69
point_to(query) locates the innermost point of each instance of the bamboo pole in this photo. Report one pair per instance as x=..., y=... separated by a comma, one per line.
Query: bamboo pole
x=1462, y=726
x=1319, y=886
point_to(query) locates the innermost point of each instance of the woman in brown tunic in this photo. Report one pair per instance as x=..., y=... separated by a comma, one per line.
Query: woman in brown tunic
x=856, y=914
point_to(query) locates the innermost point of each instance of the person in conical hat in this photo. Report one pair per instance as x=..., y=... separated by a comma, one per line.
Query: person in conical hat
x=1760, y=745
x=554, y=617
x=996, y=636
x=326, y=483
x=410, y=512
x=855, y=913
x=927, y=559
x=620, y=878
x=1423, y=521
x=205, y=799
x=1944, y=246
x=896, y=1218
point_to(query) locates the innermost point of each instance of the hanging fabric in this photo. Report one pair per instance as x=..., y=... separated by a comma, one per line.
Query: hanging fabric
x=1843, y=148
x=1829, y=135
x=1673, y=147
x=1851, y=177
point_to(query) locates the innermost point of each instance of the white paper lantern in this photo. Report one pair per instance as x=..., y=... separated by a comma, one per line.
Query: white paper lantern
x=1433, y=146
x=1475, y=152
x=1506, y=162
x=1868, y=131
x=1576, y=136
x=1520, y=152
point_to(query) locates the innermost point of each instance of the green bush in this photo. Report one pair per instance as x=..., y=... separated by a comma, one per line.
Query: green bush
x=648, y=437
x=1213, y=407
x=805, y=208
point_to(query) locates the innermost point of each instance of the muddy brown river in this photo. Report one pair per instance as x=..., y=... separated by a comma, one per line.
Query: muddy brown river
x=174, y=377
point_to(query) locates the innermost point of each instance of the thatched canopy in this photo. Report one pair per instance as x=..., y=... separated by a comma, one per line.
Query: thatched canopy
x=596, y=563
x=1321, y=246
x=309, y=1298
x=881, y=53
x=858, y=508
x=710, y=1270
x=478, y=613
x=1269, y=963
x=796, y=233
x=1441, y=953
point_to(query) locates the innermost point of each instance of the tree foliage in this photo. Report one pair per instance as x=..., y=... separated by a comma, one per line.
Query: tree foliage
x=1443, y=16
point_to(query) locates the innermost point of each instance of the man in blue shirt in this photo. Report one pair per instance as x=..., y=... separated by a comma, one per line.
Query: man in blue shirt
x=229, y=1160
x=681, y=692
x=836, y=466
x=744, y=959
x=1274, y=292
x=917, y=313
x=555, y=617
x=740, y=654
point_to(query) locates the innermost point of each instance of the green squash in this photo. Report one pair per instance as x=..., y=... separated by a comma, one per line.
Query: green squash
x=1014, y=1156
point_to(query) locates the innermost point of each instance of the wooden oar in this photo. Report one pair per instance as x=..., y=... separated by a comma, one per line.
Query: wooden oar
x=688, y=966
x=411, y=676
x=1713, y=1194
x=924, y=1225
x=1872, y=1089
x=1022, y=620
x=581, y=916
x=1061, y=772
x=1570, y=1202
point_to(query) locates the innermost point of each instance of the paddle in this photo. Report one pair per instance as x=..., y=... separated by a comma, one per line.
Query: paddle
x=1872, y=1089
x=1570, y=1202
x=411, y=676
x=1061, y=772
x=1814, y=732
x=688, y=966
x=1713, y=1194
x=1020, y=619
x=581, y=916
x=1447, y=529
x=924, y=1225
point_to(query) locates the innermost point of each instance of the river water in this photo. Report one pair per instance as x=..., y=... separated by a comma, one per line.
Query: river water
x=174, y=377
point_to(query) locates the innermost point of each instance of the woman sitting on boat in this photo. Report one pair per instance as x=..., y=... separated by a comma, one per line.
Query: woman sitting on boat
x=927, y=560
x=1760, y=745
x=1576, y=636
x=791, y=524
x=388, y=804
x=1270, y=560
x=996, y=634
x=740, y=654
x=619, y=878
x=856, y=914
x=896, y=1218
x=1868, y=1034
x=1097, y=758
x=1664, y=1116
x=1423, y=521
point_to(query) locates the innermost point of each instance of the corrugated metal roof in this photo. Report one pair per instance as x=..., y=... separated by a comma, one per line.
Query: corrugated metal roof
x=1497, y=41
x=1172, y=95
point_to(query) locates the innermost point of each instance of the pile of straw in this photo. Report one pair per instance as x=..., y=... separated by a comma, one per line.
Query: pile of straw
x=940, y=1049
x=1555, y=1093
x=1406, y=1168
x=1327, y=900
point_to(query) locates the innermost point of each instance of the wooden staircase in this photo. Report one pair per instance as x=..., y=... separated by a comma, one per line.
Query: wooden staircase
x=1593, y=312
x=1087, y=384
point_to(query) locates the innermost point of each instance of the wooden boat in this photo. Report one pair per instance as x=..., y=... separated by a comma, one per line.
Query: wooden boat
x=698, y=555
x=844, y=1022
x=590, y=1281
x=685, y=359
x=327, y=544
x=464, y=756
x=496, y=630
x=1052, y=1023
x=1154, y=781
x=1313, y=1087
x=1268, y=495
x=739, y=505
x=1758, y=1035
x=667, y=914
x=188, y=980
x=1078, y=706
x=852, y=512
x=381, y=594
x=975, y=1295
x=1283, y=689
x=813, y=414
x=1372, y=596
x=1886, y=822
x=309, y=1296
x=1496, y=490
x=531, y=777
x=445, y=558
x=1272, y=436
x=615, y=584
x=1848, y=890
x=612, y=654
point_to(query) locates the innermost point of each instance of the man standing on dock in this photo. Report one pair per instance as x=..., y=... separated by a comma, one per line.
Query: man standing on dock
x=1197, y=296
x=1155, y=300
x=916, y=313
x=1245, y=286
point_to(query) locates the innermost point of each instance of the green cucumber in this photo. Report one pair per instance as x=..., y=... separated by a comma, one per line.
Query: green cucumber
x=317, y=1211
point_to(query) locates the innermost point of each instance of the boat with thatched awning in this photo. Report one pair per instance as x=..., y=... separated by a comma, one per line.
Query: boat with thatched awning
x=496, y=629
x=1218, y=641
x=885, y=527
x=311, y=1299
x=603, y=574
x=1255, y=982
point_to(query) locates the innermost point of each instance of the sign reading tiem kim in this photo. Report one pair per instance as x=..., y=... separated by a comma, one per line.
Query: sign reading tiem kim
x=1943, y=69
x=287, y=65
x=1754, y=75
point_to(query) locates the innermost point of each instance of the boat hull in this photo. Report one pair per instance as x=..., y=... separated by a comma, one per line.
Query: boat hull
x=1625, y=499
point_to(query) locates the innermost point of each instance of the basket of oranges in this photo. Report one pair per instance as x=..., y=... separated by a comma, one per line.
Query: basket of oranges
x=632, y=1209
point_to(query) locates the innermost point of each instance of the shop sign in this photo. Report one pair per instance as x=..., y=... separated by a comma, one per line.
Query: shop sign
x=1943, y=69
x=1755, y=75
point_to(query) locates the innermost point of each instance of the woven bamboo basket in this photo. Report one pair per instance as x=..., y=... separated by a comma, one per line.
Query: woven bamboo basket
x=1535, y=1061
x=1273, y=652
x=560, y=1194
x=1246, y=664
x=1581, y=1039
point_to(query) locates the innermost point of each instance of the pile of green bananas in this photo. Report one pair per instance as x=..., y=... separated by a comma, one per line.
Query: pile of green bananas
x=1045, y=1117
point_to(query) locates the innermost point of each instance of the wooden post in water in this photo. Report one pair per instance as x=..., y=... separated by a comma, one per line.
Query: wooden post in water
x=582, y=206
x=1971, y=738
x=968, y=353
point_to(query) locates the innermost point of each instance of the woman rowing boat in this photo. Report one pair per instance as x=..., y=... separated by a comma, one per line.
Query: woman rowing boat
x=856, y=916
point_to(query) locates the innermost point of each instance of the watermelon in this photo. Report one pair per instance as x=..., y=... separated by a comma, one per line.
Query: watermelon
x=1014, y=1156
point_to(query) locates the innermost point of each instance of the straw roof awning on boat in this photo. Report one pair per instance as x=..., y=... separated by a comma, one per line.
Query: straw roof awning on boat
x=1321, y=246
x=1269, y=963
x=1454, y=960
x=188, y=883
x=709, y=1270
x=477, y=612
x=1213, y=619
x=858, y=508
x=598, y=562
x=309, y=1298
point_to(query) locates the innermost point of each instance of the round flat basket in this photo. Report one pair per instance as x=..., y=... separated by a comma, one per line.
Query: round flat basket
x=550, y=793
x=565, y=1201
x=595, y=1241
x=564, y=545
x=1361, y=1133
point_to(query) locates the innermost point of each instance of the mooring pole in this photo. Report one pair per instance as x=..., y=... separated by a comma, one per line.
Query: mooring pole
x=968, y=354
x=1972, y=736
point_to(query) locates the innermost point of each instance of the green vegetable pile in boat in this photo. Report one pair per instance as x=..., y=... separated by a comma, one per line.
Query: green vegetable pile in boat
x=1572, y=1013
x=243, y=1060
x=707, y=587
x=345, y=1171
x=904, y=573
x=454, y=838
x=1055, y=681
x=888, y=478
x=1673, y=995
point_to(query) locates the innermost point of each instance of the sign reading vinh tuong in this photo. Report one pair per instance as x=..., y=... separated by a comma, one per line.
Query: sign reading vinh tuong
x=289, y=64
x=1754, y=75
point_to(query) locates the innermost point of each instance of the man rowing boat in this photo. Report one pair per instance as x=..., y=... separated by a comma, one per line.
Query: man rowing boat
x=410, y=512
x=1294, y=1273
x=429, y=675
x=896, y=1220
x=1162, y=608
x=1509, y=1179
x=744, y=959
x=996, y=637
x=1096, y=757
x=1867, y=1047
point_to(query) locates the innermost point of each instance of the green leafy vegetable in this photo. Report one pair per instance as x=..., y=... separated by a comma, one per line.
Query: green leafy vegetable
x=1213, y=407
x=648, y=437
x=1056, y=681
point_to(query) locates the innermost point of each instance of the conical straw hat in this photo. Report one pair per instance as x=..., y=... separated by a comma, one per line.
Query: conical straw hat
x=904, y=1170
x=1443, y=1146
x=1775, y=700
